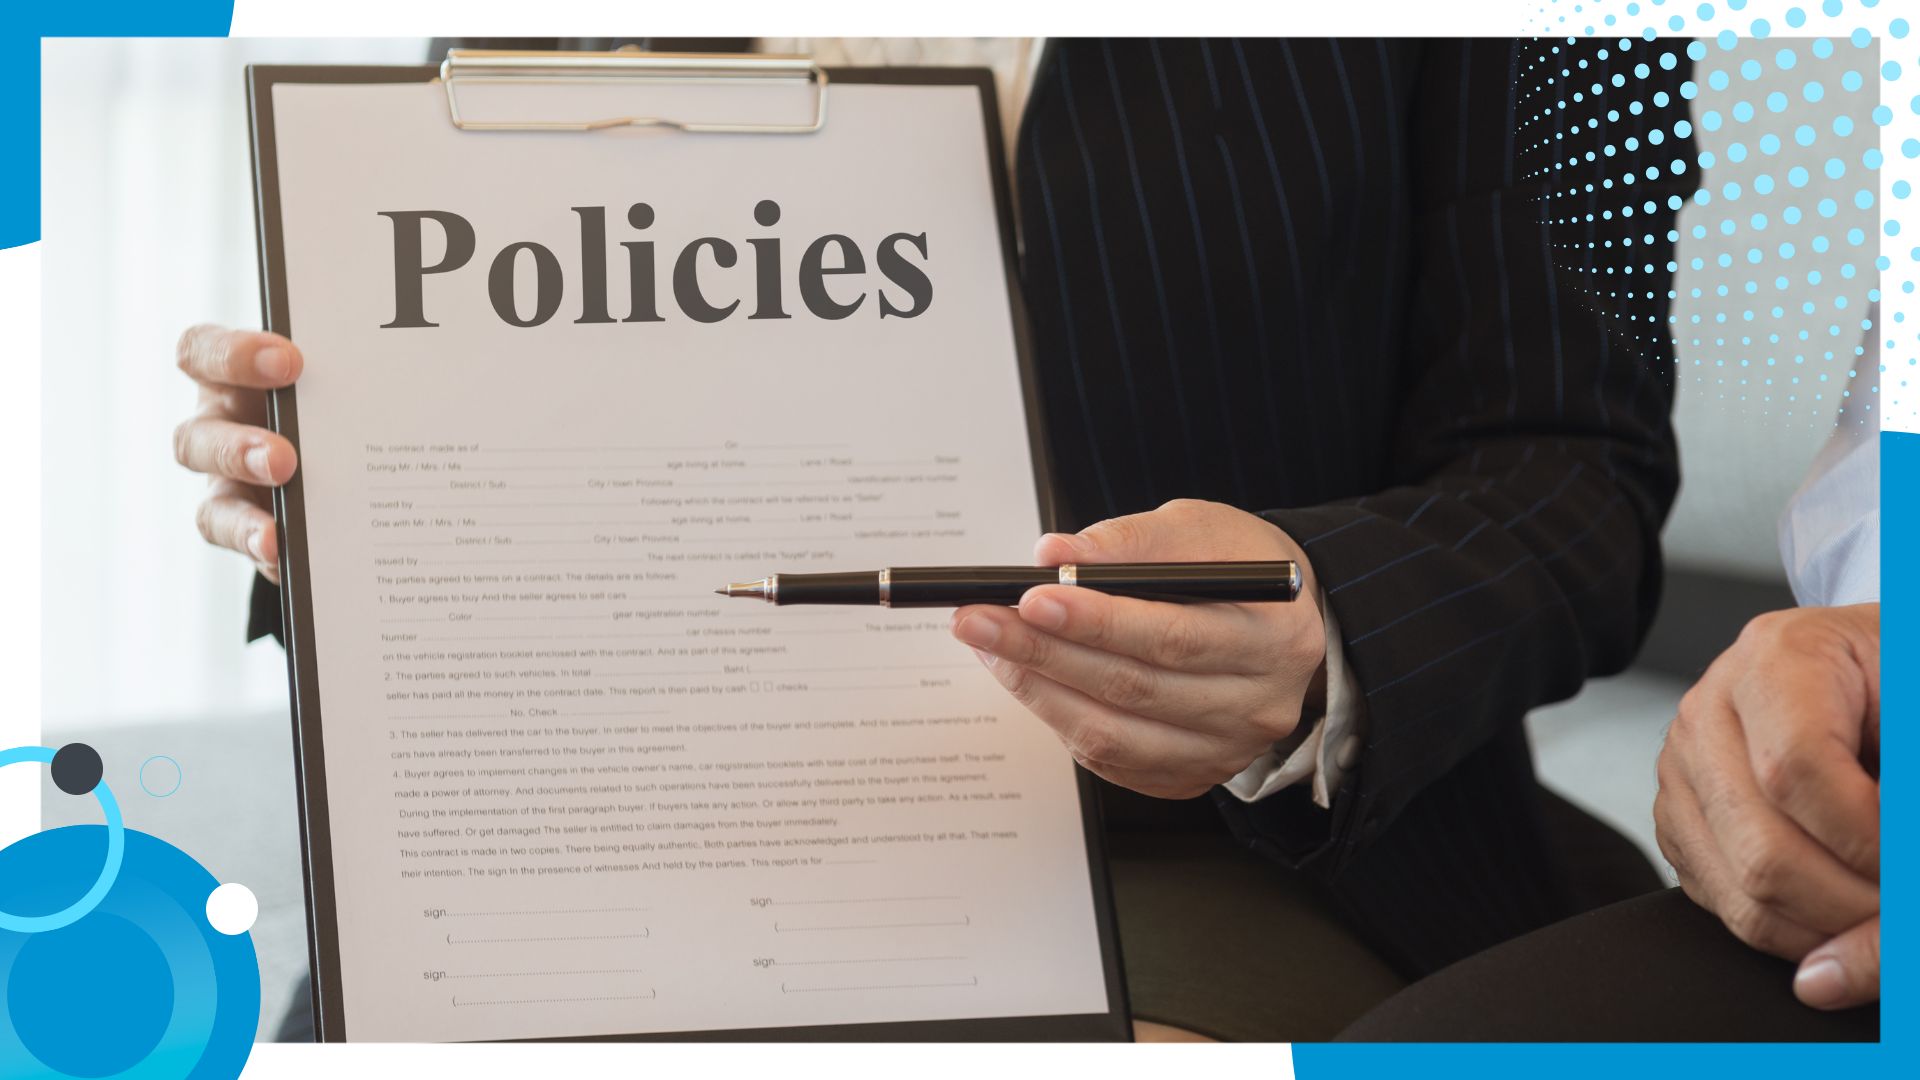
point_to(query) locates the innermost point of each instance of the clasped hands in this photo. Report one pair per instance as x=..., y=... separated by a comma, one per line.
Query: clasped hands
x=1166, y=699
x=1769, y=805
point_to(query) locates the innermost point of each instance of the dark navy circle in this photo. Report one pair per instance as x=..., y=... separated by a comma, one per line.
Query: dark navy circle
x=76, y=768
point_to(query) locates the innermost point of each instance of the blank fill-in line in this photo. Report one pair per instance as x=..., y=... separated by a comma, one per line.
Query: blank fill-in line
x=778, y=929
x=532, y=561
x=530, y=974
x=648, y=996
x=869, y=667
x=601, y=505
x=597, y=449
x=614, y=637
x=873, y=960
x=863, y=900
x=972, y=981
x=492, y=638
x=544, y=911
x=571, y=937
x=648, y=674
x=762, y=539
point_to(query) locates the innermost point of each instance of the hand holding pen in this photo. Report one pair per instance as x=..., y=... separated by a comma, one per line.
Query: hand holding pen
x=1166, y=698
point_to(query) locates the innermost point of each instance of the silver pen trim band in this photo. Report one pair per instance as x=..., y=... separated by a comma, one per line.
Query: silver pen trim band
x=886, y=588
x=773, y=589
x=1069, y=574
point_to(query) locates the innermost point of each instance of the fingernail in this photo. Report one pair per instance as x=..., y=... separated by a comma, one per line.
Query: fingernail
x=273, y=363
x=1045, y=612
x=1821, y=983
x=977, y=631
x=260, y=463
x=256, y=543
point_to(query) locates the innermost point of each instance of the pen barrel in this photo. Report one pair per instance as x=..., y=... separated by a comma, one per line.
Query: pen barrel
x=954, y=586
x=1193, y=583
x=862, y=588
x=1173, y=583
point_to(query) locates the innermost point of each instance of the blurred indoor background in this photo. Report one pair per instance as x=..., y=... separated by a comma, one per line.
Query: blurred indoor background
x=148, y=222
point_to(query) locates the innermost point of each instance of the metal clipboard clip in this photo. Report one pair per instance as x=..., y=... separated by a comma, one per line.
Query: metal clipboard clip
x=484, y=66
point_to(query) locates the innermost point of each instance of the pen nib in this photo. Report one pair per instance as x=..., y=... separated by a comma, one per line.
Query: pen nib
x=756, y=589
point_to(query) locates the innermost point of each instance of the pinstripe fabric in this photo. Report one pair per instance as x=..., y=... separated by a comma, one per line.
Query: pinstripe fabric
x=1315, y=279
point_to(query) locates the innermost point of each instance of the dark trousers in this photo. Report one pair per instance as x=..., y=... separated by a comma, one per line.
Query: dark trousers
x=1652, y=969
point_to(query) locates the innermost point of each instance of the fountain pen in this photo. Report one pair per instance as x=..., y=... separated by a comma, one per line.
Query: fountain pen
x=956, y=586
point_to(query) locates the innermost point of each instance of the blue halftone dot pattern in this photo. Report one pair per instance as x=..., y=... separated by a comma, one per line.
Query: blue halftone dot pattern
x=1612, y=145
x=1788, y=132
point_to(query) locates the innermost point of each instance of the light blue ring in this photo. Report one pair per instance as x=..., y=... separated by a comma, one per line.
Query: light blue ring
x=116, y=847
x=179, y=775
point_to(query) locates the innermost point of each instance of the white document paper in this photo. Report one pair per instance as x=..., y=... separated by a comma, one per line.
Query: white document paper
x=570, y=790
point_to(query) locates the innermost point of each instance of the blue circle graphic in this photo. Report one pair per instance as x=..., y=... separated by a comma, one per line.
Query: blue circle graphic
x=109, y=868
x=143, y=988
x=48, y=987
x=179, y=775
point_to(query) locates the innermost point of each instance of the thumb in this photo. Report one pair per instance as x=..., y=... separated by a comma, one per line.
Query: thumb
x=1844, y=972
x=1148, y=537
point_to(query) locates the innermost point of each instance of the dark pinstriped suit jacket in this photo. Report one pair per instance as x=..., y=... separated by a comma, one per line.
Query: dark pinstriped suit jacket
x=1317, y=280
x=1320, y=280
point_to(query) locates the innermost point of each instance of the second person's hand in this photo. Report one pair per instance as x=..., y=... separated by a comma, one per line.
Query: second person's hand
x=1769, y=803
x=227, y=439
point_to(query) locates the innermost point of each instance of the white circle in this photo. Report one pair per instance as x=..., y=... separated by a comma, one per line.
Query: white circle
x=231, y=908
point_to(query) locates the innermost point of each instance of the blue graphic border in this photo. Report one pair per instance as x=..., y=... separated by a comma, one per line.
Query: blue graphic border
x=22, y=26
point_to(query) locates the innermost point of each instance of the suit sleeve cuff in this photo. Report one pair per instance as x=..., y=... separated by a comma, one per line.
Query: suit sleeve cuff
x=263, y=611
x=1324, y=749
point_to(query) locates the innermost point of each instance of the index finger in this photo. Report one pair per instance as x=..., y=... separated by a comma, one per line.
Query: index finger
x=1209, y=639
x=254, y=359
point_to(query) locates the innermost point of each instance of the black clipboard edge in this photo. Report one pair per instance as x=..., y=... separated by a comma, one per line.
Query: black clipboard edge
x=296, y=603
x=296, y=598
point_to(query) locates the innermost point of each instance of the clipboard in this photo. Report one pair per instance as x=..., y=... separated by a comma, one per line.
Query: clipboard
x=468, y=76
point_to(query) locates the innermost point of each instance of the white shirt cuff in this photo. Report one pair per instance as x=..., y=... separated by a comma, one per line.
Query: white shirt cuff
x=1331, y=746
